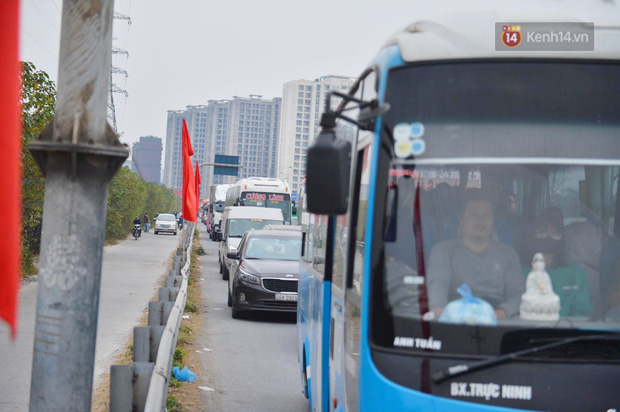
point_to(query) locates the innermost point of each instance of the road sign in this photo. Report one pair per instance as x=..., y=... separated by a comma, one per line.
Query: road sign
x=226, y=165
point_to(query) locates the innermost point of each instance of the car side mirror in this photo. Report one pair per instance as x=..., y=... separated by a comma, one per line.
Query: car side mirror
x=232, y=255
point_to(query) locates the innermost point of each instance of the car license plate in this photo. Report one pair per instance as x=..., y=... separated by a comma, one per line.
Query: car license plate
x=290, y=298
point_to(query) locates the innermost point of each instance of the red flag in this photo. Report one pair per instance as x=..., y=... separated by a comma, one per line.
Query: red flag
x=10, y=176
x=189, y=185
x=198, y=182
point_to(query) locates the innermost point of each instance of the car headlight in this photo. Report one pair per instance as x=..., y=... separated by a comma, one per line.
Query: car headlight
x=246, y=277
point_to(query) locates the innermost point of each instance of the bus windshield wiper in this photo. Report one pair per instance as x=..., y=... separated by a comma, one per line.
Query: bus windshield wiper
x=463, y=369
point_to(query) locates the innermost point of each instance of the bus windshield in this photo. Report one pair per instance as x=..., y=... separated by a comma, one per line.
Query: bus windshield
x=273, y=200
x=498, y=221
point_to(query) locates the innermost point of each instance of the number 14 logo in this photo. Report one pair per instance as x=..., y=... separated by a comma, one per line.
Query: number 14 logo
x=511, y=36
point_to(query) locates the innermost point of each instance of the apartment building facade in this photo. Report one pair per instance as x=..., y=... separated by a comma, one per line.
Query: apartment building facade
x=146, y=158
x=303, y=102
x=243, y=126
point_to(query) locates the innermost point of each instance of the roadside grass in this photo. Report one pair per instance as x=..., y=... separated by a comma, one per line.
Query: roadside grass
x=186, y=396
x=112, y=242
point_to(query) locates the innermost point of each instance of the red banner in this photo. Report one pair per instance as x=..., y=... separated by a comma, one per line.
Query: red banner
x=198, y=182
x=10, y=174
x=189, y=180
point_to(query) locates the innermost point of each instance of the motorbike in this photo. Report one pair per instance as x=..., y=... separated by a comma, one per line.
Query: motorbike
x=137, y=231
x=180, y=223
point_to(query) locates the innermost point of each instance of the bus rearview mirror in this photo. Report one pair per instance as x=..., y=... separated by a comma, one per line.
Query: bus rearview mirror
x=327, y=168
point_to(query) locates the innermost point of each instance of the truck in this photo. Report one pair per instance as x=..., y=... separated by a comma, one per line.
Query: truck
x=217, y=199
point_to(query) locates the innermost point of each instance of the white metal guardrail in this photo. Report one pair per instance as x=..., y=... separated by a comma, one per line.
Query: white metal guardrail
x=158, y=388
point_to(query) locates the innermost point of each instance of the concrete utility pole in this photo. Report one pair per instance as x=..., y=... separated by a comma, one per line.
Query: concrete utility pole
x=79, y=153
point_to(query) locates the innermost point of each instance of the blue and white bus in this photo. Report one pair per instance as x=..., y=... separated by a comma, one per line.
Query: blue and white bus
x=478, y=164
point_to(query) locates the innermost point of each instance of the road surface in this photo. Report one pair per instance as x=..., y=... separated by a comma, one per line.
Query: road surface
x=252, y=365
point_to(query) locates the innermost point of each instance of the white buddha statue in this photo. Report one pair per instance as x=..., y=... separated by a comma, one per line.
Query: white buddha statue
x=539, y=302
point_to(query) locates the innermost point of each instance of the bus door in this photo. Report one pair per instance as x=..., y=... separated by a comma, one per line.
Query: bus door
x=346, y=292
x=337, y=322
x=314, y=293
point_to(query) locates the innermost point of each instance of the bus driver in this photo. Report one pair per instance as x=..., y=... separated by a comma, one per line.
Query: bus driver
x=490, y=268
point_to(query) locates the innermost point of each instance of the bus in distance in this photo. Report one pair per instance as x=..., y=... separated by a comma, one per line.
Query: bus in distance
x=462, y=252
x=261, y=192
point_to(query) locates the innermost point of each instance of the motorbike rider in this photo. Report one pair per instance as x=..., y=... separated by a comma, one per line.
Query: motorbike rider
x=137, y=221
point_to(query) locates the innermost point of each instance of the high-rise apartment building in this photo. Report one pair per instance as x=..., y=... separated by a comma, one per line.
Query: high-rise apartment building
x=146, y=158
x=303, y=102
x=198, y=119
x=244, y=126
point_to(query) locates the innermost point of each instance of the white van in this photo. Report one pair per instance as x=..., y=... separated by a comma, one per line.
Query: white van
x=236, y=220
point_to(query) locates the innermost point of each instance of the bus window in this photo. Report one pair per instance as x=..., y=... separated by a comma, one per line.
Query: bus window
x=317, y=231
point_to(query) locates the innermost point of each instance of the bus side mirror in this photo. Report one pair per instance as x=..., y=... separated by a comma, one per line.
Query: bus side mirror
x=328, y=168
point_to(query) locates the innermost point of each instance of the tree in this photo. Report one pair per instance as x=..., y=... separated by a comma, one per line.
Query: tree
x=160, y=200
x=128, y=195
x=126, y=199
x=38, y=102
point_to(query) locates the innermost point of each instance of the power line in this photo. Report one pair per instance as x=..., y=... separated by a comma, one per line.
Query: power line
x=44, y=16
x=36, y=41
x=54, y=3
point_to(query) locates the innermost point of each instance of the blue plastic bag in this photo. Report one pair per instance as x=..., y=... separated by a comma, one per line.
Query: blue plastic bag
x=184, y=374
x=469, y=309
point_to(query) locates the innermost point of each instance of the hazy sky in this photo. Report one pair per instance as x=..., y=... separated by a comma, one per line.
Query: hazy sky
x=186, y=52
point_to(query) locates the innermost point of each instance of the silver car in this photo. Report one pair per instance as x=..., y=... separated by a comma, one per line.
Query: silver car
x=166, y=222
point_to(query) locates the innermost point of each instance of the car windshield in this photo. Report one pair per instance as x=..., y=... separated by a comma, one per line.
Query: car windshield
x=237, y=227
x=275, y=248
x=166, y=217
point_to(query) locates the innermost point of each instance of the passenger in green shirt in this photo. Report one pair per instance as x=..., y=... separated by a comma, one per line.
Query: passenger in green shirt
x=568, y=279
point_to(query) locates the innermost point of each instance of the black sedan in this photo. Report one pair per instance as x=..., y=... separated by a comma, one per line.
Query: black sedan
x=264, y=272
